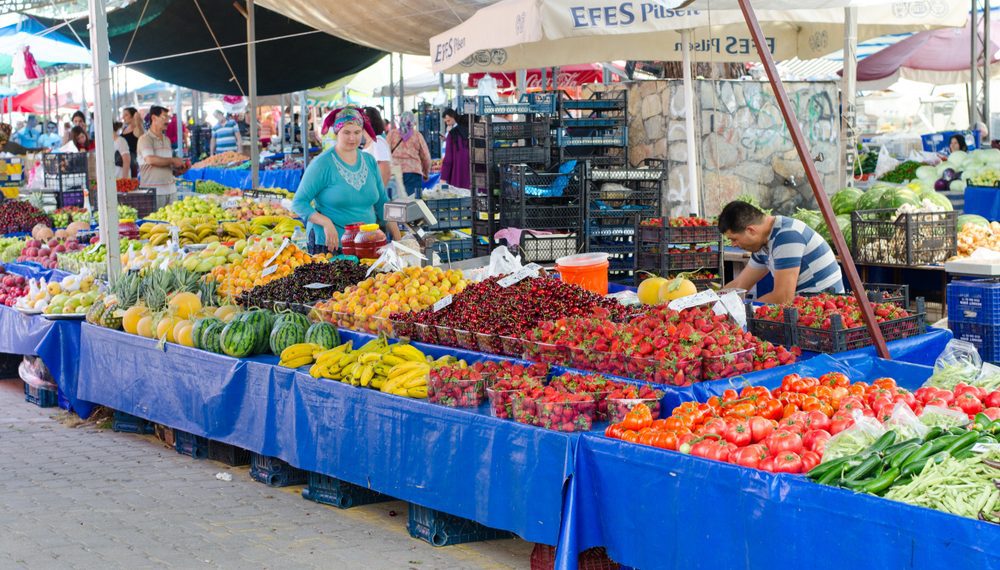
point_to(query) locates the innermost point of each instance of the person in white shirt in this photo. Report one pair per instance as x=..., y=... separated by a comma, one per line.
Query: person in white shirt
x=378, y=148
x=156, y=157
x=123, y=158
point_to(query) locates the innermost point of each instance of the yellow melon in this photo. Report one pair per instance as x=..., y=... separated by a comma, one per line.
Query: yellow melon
x=144, y=327
x=185, y=304
x=179, y=325
x=649, y=290
x=676, y=288
x=226, y=313
x=165, y=329
x=182, y=332
x=130, y=320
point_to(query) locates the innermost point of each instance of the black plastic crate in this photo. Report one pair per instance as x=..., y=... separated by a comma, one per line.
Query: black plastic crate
x=541, y=249
x=454, y=250
x=194, y=446
x=127, y=423
x=442, y=529
x=685, y=261
x=143, y=200
x=658, y=230
x=601, y=156
x=511, y=155
x=556, y=218
x=592, y=137
x=9, y=364
x=883, y=293
x=58, y=163
x=601, y=101
x=274, y=472
x=909, y=240
x=451, y=213
x=41, y=397
x=522, y=183
x=262, y=194
x=228, y=454
x=488, y=129
x=341, y=494
x=647, y=170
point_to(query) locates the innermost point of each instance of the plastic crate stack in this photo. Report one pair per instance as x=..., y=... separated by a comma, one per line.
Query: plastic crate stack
x=617, y=200
x=974, y=315
x=594, y=129
x=66, y=176
x=452, y=215
x=494, y=145
x=548, y=201
x=429, y=119
x=11, y=176
x=667, y=250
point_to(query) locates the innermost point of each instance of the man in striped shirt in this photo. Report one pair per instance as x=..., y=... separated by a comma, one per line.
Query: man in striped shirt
x=225, y=135
x=798, y=258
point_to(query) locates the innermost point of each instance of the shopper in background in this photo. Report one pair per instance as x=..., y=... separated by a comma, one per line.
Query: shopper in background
x=6, y=145
x=957, y=142
x=378, y=147
x=28, y=136
x=79, y=141
x=225, y=134
x=132, y=130
x=50, y=139
x=455, y=163
x=156, y=157
x=341, y=186
x=409, y=150
x=123, y=158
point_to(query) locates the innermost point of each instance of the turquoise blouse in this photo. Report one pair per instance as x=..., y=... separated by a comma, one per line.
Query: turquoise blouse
x=323, y=189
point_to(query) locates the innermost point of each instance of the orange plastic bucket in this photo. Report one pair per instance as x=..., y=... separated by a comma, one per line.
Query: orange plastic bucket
x=588, y=270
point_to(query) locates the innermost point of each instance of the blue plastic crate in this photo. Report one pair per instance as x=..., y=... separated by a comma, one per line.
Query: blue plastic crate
x=127, y=423
x=341, y=494
x=976, y=301
x=228, y=454
x=442, y=529
x=941, y=142
x=458, y=249
x=41, y=397
x=191, y=445
x=451, y=213
x=983, y=337
x=274, y=472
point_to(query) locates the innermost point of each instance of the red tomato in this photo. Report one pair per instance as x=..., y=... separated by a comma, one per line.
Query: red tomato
x=810, y=459
x=760, y=428
x=749, y=456
x=851, y=403
x=992, y=400
x=924, y=394
x=969, y=403
x=788, y=462
x=771, y=409
x=614, y=430
x=817, y=420
x=992, y=413
x=716, y=426
x=739, y=433
x=683, y=440
x=935, y=401
x=665, y=440
x=815, y=440
x=946, y=395
x=783, y=440
x=835, y=380
x=630, y=436
x=767, y=464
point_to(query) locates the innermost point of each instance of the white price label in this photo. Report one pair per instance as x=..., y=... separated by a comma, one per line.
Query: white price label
x=530, y=270
x=985, y=447
x=273, y=258
x=441, y=304
x=733, y=305
x=175, y=234
x=317, y=286
x=269, y=270
x=703, y=298
x=92, y=248
x=231, y=203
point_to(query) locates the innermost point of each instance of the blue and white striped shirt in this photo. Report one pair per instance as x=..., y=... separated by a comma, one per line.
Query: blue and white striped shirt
x=225, y=136
x=794, y=244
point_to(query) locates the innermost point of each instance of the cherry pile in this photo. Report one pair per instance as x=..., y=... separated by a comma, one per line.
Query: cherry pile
x=815, y=311
x=339, y=274
x=17, y=216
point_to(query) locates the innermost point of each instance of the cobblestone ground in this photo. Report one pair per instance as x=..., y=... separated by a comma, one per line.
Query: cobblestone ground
x=85, y=497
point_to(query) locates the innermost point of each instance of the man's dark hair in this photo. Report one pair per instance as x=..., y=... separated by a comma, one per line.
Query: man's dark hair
x=79, y=114
x=157, y=110
x=736, y=216
x=375, y=118
x=449, y=112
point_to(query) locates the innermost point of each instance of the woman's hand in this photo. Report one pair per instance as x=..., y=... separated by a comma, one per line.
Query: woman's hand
x=332, y=239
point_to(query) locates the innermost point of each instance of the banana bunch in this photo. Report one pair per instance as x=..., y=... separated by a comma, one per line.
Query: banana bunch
x=157, y=234
x=280, y=225
x=301, y=354
x=202, y=232
x=236, y=230
x=398, y=369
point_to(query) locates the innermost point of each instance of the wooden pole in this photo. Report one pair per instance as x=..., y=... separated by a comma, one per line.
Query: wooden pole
x=813, y=176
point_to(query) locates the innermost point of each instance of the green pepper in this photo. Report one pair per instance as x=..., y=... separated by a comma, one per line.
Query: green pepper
x=878, y=485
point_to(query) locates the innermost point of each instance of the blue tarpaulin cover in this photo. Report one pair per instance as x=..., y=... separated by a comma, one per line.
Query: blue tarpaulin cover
x=242, y=178
x=984, y=201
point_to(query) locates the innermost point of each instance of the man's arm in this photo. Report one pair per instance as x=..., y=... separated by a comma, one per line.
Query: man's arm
x=785, y=283
x=747, y=278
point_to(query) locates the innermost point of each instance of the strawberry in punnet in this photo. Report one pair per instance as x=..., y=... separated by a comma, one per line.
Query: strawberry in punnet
x=456, y=386
x=561, y=411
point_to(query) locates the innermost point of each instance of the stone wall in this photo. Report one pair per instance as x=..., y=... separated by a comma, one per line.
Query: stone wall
x=744, y=145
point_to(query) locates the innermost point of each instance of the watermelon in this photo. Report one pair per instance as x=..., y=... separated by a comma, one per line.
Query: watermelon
x=293, y=317
x=238, y=338
x=199, y=327
x=938, y=200
x=286, y=334
x=972, y=219
x=870, y=199
x=811, y=218
x=844, y=201
x=211, y=337
x=896, y=197
x=261, y=321
x=323, y=334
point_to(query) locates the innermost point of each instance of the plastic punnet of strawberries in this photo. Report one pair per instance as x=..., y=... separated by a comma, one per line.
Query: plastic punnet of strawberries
x=816, y=311
x=456, y=386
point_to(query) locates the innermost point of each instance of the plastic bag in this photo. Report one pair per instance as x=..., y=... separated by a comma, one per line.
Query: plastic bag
x=854, y=439
x=886, y=163
x=35, y=374
x=396, y=257
x=627, y=298
x=958, y=362
x=905, y=423
x=936, y=416
x=502, y=262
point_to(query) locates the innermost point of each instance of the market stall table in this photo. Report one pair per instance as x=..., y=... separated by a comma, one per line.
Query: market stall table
x=287, y=179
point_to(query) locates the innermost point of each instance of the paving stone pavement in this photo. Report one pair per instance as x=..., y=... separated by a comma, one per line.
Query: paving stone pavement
x=85, y=497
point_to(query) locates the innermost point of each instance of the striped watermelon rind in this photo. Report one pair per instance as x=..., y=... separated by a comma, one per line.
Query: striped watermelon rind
x=323, y=334
x=199, y=327
x=238, y=338
x=211, y=337
x=291, y=317
x=262, y=321
x=284, y=335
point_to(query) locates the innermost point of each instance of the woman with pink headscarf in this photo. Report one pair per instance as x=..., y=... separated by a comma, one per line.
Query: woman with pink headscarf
x=409, y=150
x=341, y=186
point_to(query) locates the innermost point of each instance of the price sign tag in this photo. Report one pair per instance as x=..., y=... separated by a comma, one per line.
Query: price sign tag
x=175, y=234
x=703, y=298
x=733, y=305
x=317, y=286
x=274, y=257
x=441, y=304
x=269, y=270
x=985, y=447
x=231, y=203
x=530, y=270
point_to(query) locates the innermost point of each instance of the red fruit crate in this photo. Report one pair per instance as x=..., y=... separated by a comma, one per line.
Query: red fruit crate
x=543, y=557
x=681, y=234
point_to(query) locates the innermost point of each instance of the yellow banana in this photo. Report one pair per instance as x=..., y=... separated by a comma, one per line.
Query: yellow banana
x=408, y=352
x=414, y=382
x=367, y=373
x=413, y=374
x=296, y=362
x=392, y=360
x=401, y=369
x=369, y=358
x=418, y=392
x=373, y=344
x=318, y=370
x=348, y=359
x=298, y=349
